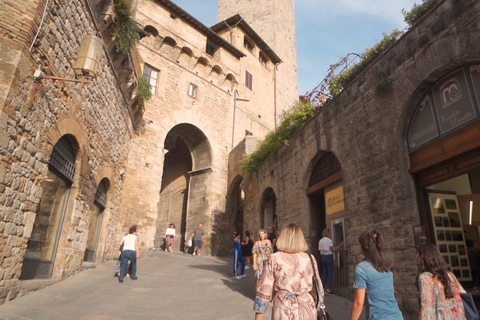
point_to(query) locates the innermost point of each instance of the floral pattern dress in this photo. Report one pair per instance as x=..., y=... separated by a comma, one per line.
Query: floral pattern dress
x=434, y=306
x=291, y=275
x=263, y=252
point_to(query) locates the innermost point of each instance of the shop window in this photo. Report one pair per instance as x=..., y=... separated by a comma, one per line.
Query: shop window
x=192, y=90
x=43, y=242
x=151, y=74
x=248, y=80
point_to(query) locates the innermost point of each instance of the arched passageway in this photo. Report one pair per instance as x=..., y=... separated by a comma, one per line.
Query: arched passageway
x=184, y=188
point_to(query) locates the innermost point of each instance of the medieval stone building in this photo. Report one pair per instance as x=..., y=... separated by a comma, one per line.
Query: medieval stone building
x=82, y=159
x=402, y=158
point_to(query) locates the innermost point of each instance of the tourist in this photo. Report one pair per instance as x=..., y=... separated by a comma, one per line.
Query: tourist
x=247, y=246
x=130, y=252
x=262, y=249
x=326, y=248
x=198, y=240
x=290, y=273
x=170, y=237
x=237, y=257
x=374, y=280
x=272, y=235
x=438, y=288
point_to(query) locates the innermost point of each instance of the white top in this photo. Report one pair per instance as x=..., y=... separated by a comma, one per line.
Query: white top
x=170, y=232
x=129, y=242
x=324, y=246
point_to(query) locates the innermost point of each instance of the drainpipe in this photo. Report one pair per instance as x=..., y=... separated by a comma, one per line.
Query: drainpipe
x=231, y=29
x=235, y=99
x=275, y=95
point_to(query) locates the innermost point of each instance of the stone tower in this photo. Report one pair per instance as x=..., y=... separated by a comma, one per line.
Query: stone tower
x=274, y=21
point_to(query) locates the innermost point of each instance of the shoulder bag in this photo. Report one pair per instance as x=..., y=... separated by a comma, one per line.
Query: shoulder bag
x=471, y=312
x=322, y=314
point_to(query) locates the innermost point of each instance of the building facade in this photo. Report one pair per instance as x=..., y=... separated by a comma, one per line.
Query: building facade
x=402, y=160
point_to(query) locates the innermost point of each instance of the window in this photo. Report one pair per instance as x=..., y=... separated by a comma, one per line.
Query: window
x=248, y=80
x=263, y=60
x=211, y=48
x=247, y=44
x=151, y=74
x=192, y=90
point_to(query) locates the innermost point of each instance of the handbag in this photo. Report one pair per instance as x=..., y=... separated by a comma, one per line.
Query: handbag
x=471, y=312
x=322, y=314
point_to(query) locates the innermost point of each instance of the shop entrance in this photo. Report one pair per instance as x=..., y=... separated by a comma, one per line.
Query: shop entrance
x=327, y=210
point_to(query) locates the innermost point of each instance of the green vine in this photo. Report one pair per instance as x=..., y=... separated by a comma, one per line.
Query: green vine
x=417, y=10
x=144, y=92
x=337, y=84
x=291, y=121
x=127, y=31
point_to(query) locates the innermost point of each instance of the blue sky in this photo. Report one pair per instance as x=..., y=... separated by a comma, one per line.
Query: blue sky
x=326, y=30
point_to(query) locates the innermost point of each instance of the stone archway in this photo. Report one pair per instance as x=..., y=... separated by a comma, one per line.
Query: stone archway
x=184, y=190
x=268, y=211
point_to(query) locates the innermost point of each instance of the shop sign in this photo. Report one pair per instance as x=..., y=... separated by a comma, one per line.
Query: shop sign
x=334, y=201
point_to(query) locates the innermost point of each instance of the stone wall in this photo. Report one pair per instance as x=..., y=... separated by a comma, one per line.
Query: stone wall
x=95, y=115
x=365, y=128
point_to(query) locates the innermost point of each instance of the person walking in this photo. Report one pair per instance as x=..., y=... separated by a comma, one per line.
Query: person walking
x=247, y=246
x=290, y=273
x=374, y=279
x=170, y=237
x=198, y=240
x=326, y=248
x=262, y=249
x=438, y=288
x=130, y=252
x=237, y=257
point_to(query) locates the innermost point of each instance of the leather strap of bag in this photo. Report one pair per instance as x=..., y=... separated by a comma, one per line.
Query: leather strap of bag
x=320, y=303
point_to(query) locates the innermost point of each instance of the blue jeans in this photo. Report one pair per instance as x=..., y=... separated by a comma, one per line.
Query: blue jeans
x=128, y=255
x=327, y=271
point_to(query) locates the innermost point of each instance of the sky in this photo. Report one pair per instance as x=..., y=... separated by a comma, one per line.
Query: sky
x=326, y=30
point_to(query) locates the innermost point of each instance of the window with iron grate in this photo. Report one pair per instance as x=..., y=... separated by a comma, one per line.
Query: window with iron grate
x=325, y=167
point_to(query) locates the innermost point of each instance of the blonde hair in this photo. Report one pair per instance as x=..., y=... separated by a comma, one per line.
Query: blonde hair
x=262, y=230
x=291, y=239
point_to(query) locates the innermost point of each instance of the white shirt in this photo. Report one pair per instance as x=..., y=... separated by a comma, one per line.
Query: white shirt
x=170, y=232
x=324, y=246
x=129, y=242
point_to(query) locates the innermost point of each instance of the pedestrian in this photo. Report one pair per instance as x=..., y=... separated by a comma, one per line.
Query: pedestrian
x=272, y=235
x=290, y=272
x=247, y=246
x=130, y=252
x=169, y=237
x=326, y=248
x=262, y=249
x=237, y=257
x=438, y=288
x=374, y=279
x=198, y=240
x=189, y=243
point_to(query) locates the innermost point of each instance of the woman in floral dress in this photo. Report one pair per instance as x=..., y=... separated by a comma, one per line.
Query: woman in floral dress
x=439, y=289
x=262, y=249
x=290, y=272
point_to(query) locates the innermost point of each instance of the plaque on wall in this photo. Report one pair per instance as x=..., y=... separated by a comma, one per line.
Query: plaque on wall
x=448, y=232
x=453, y=101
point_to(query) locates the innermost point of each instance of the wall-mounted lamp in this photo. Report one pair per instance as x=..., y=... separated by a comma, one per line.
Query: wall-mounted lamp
x=86, y=64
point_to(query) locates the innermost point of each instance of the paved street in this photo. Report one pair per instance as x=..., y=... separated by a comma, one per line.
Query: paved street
x=169, y=286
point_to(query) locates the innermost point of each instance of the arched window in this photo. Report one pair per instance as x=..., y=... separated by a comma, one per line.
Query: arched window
x=43, y=242
x=263, y=59
x=248, y=44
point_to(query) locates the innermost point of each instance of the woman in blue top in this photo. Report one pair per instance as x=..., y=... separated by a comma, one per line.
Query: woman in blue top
x=374, y=277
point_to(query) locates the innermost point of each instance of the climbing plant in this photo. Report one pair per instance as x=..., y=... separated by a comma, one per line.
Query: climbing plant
x=417, y=11
x=291, y=121
x=127, y=31
x=144, y=92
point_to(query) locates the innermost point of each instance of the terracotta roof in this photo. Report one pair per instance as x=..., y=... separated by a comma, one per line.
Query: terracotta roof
x=211, y=35
x=238, y=20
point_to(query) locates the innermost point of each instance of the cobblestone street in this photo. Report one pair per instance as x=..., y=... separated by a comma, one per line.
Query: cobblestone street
x=169, y=286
